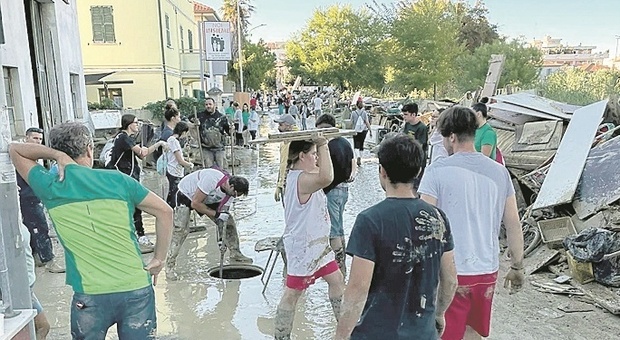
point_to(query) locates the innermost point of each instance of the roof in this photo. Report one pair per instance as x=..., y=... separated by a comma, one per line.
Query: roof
x=592, y=67
x=202, y=8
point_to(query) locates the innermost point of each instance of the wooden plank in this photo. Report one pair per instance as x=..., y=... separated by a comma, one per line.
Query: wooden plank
x=539, y=259
x=561, y=182
x=600, y=295
x=598, y=186
x=303, y=135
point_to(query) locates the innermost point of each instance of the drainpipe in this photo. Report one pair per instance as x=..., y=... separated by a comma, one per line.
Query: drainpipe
x=163, y=51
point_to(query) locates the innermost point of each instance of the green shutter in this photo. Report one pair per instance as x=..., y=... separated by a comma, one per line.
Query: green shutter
x=108, y=25
x=96, y=17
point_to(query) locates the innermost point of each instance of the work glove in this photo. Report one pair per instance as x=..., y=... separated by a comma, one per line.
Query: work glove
x=222, y=217
x=278, y=194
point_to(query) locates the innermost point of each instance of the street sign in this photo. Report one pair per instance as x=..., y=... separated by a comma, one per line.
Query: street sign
x=217, y=40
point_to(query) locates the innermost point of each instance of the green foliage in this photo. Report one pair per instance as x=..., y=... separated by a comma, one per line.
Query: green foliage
x=580, y=87
x=258, y=62
x=475, y=29
x=423, y=45
x=521, y=66
x=106, y=104
x=339, y=46
x=186, y=106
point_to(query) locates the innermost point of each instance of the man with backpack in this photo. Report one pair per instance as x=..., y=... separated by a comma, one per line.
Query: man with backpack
x=210, y=192
x=213, y=130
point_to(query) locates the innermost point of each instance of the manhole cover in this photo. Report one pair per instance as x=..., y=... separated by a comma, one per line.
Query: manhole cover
x=236, y=271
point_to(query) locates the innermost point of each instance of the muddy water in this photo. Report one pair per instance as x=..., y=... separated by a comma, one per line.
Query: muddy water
x=200, y=307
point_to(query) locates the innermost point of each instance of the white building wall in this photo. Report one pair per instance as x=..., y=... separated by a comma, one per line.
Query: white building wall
x=64, y=18
x=16, y=53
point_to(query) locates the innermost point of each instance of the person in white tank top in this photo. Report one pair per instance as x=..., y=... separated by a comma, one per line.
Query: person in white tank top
x=306, y=235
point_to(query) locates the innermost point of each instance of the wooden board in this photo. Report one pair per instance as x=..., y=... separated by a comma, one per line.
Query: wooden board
x=563, y=177
x=598, y=186
x=303, y=135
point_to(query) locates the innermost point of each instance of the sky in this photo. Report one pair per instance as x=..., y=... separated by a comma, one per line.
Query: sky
x=592, y=22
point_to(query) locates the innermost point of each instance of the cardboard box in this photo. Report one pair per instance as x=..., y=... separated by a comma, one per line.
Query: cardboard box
x=581, y=271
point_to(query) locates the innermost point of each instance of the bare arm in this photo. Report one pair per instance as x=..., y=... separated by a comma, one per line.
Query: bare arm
x=353, y=169
x=429, y=199
x=312, y=182
x=24, y=157
x=514, y=234
x=179, y=156
x=199, y=205
x=447, y=283
x=155, y=206
x=486, y=150
x=355, y=296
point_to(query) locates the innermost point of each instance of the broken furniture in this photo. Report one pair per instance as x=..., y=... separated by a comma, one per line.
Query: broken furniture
x=274, y=245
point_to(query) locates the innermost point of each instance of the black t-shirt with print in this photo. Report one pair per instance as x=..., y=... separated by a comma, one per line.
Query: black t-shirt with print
x=405, y=238
x=123, y=157
x=341, y=154
x=418, y=132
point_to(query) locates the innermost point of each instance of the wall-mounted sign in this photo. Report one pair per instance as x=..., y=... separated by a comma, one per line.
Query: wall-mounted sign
x=218, y=40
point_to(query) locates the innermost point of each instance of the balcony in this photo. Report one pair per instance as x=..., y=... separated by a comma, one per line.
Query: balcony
x=190, y=67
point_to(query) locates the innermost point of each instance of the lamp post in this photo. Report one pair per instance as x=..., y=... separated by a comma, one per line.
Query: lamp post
x=613, y=65
x=240, y=55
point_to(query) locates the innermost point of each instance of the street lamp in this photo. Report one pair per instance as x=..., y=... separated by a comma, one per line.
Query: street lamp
x=240, y=42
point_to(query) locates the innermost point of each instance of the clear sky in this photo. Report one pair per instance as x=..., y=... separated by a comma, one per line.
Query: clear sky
x=589, y=22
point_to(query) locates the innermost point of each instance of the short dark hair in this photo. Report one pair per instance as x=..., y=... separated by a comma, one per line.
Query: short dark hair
x=458, y=120
x=480, y=107
x=241, y=185
x=326, y=118
x=72, y=138
x=402, y=158
x=34, y=130
x=235, y=104
x=171, y=113
x=411, y=108
x=180, y=128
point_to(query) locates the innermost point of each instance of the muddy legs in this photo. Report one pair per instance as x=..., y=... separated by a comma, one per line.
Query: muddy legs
x=179, y=234
x=232, y=242
x=286, y=314
x=338, y=246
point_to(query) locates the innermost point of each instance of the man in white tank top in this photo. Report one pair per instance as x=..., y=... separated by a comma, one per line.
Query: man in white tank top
x=306, y=235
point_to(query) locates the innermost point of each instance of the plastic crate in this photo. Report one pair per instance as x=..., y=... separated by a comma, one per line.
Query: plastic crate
x=555, y=230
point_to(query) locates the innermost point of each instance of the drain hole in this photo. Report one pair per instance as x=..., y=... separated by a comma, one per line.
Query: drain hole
x=236, y=272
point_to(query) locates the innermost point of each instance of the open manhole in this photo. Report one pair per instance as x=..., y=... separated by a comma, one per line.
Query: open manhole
x=236, y=271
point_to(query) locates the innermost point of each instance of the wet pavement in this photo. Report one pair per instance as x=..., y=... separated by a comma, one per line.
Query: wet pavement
x=198, y=306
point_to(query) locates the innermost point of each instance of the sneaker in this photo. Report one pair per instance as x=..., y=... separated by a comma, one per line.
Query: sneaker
x=54, y=267
x=146, y=246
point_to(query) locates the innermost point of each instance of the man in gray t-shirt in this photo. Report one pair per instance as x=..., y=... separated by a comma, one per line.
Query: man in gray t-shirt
x=476, y=194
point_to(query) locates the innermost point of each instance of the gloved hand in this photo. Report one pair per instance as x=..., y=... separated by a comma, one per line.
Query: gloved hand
x=190, y=167
x=278, y=194
x=223, y=217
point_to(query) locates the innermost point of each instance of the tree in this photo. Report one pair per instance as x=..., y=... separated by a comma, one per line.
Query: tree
x=423, y=45
x=229, y=12
x=521, y=66
x=475, y=29
x=338, y=46
x=579, y=87
x=258, y=61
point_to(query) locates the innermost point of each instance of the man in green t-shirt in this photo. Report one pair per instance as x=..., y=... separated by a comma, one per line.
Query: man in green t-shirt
x=486, y=138
x=92, y=212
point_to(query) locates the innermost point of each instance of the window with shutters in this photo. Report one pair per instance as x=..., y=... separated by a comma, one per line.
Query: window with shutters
x=103, y=24
x=13, y=107
x=168, y=38
x=182, y=42
x=190, y=41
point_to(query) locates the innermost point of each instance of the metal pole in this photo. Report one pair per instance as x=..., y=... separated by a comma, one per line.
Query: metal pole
x=240, y=55
x=613, y=64
x=201, y=47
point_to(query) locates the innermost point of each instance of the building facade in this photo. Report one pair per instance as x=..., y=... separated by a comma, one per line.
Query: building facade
x=41, y=64
x=136, y=52
x=556, y=55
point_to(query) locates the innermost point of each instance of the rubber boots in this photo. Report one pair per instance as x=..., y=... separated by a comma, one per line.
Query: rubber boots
x=232, y=242
x=179, y=234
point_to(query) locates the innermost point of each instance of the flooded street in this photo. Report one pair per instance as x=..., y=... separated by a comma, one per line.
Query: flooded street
x=198, y=306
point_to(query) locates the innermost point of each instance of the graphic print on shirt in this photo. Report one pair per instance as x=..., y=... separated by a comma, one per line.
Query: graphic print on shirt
x=433, y=227
x=408, y=254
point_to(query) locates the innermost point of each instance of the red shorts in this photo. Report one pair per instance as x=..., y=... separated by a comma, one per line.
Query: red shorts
x=303, y=282
x=471, y=306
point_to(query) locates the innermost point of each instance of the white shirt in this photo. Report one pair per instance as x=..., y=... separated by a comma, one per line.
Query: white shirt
x=239, y=119
x=306, y=235
x=437, y=149
x=174, y=168
x=472, y=190
x=317, y=103
x=206, y=180
x=254, y=121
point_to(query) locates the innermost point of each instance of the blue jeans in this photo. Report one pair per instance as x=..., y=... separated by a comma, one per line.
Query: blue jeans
x=336, y=199
x=133, y=313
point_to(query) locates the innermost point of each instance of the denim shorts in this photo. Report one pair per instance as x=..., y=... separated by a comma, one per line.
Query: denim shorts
x=133, y=312
x=336, y=200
